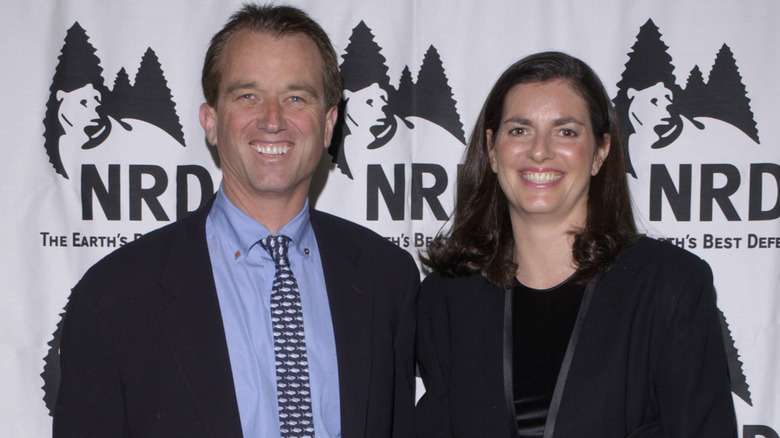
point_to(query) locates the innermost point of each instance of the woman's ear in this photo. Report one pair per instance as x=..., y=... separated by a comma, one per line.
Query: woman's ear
x=601, y=154
x=491, y=150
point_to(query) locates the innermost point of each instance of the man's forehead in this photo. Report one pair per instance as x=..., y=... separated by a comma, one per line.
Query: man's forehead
x=271, y=38
x=242, y=40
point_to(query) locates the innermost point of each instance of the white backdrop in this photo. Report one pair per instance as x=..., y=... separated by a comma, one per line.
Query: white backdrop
x=131, y=70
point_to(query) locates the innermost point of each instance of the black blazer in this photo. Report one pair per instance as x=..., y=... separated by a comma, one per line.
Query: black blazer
x=646, y=357
x=144, y=354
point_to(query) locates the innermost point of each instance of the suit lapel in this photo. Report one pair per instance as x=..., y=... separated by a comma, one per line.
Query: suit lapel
x=192, y=325
x=350, y=296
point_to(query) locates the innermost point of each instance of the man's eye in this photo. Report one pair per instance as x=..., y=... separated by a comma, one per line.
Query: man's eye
x=517, y=131
x=296, y=99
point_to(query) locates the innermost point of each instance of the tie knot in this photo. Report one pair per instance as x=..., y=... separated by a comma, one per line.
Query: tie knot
x=276, y=245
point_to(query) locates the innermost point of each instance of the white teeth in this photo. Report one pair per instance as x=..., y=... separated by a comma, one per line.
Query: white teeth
x=542, y=177
x=271, y=149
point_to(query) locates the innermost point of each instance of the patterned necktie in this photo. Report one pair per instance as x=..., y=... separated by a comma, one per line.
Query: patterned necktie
x=292, y=366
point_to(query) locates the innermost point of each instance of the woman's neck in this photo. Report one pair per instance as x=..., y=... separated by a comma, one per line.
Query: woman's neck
x=543, y=253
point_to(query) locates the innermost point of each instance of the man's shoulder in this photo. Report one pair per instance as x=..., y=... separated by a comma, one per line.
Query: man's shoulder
x=148, y=255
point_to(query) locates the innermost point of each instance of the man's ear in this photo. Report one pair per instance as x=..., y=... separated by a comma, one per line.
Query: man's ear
x=330, y=121
x=208, y=120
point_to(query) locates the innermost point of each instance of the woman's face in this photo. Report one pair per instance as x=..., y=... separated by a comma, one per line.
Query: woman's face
x=544, y=153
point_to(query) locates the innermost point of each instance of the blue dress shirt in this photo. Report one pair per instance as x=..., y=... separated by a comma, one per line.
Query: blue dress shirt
x=244, y=274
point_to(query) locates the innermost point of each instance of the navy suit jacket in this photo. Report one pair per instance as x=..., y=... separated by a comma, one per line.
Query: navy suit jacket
x=144, y=353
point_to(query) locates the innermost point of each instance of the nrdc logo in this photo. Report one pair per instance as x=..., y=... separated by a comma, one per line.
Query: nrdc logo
x=692, y=151
x=396, y=148
x=102, y=139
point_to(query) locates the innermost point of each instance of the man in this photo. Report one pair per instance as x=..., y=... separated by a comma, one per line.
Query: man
x=176, y=334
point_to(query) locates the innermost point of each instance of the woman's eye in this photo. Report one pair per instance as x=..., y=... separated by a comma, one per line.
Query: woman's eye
x=568, y=133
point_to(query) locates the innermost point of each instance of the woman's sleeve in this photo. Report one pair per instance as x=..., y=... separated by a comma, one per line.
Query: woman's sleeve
x=432, y=417
x=691, y=380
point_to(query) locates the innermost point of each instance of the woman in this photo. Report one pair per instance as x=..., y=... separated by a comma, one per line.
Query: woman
x=546, y=314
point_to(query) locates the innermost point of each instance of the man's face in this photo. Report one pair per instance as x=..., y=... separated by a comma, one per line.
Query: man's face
x=270, y=123
x=651, y=110
x=78, y=111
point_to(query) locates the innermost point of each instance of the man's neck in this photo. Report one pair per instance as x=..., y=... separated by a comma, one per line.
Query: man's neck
x=271, y=211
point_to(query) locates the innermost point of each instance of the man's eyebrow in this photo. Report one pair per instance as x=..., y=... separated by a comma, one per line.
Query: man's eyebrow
x=240, y=86
x=303, y=87
x=253, y=85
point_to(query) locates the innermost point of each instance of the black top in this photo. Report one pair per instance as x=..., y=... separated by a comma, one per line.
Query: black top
x=542, y=322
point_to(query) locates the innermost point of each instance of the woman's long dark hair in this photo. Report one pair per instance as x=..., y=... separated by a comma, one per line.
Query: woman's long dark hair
x=480, y=239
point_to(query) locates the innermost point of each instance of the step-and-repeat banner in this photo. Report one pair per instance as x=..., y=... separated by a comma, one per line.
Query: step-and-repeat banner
x=101, y=143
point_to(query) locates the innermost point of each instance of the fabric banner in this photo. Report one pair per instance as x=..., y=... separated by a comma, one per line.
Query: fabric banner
x=102, y=143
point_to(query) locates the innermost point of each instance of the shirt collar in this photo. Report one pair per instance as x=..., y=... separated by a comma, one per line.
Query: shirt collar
x=241, y=233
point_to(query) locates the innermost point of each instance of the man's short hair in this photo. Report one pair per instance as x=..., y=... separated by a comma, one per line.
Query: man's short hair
x=277, y=21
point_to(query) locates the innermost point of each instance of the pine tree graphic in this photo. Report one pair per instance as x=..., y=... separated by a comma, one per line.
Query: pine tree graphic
x=363, y=62
x=405, y=94
x=724, y=96
x=648, y=64
x=688, y=99
x=78, y=66
x=695, y=81
x=116, y=101
x=122, y=89
x=433, y=98
x=149, y=99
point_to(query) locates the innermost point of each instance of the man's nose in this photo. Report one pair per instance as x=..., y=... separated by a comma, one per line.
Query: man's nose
x=271, y=116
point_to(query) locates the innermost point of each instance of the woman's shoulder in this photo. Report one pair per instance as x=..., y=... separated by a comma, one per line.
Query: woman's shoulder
x=467, y=301
x=662, y=261
x=436, y=280
x=660, y=252
x=437, y=286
